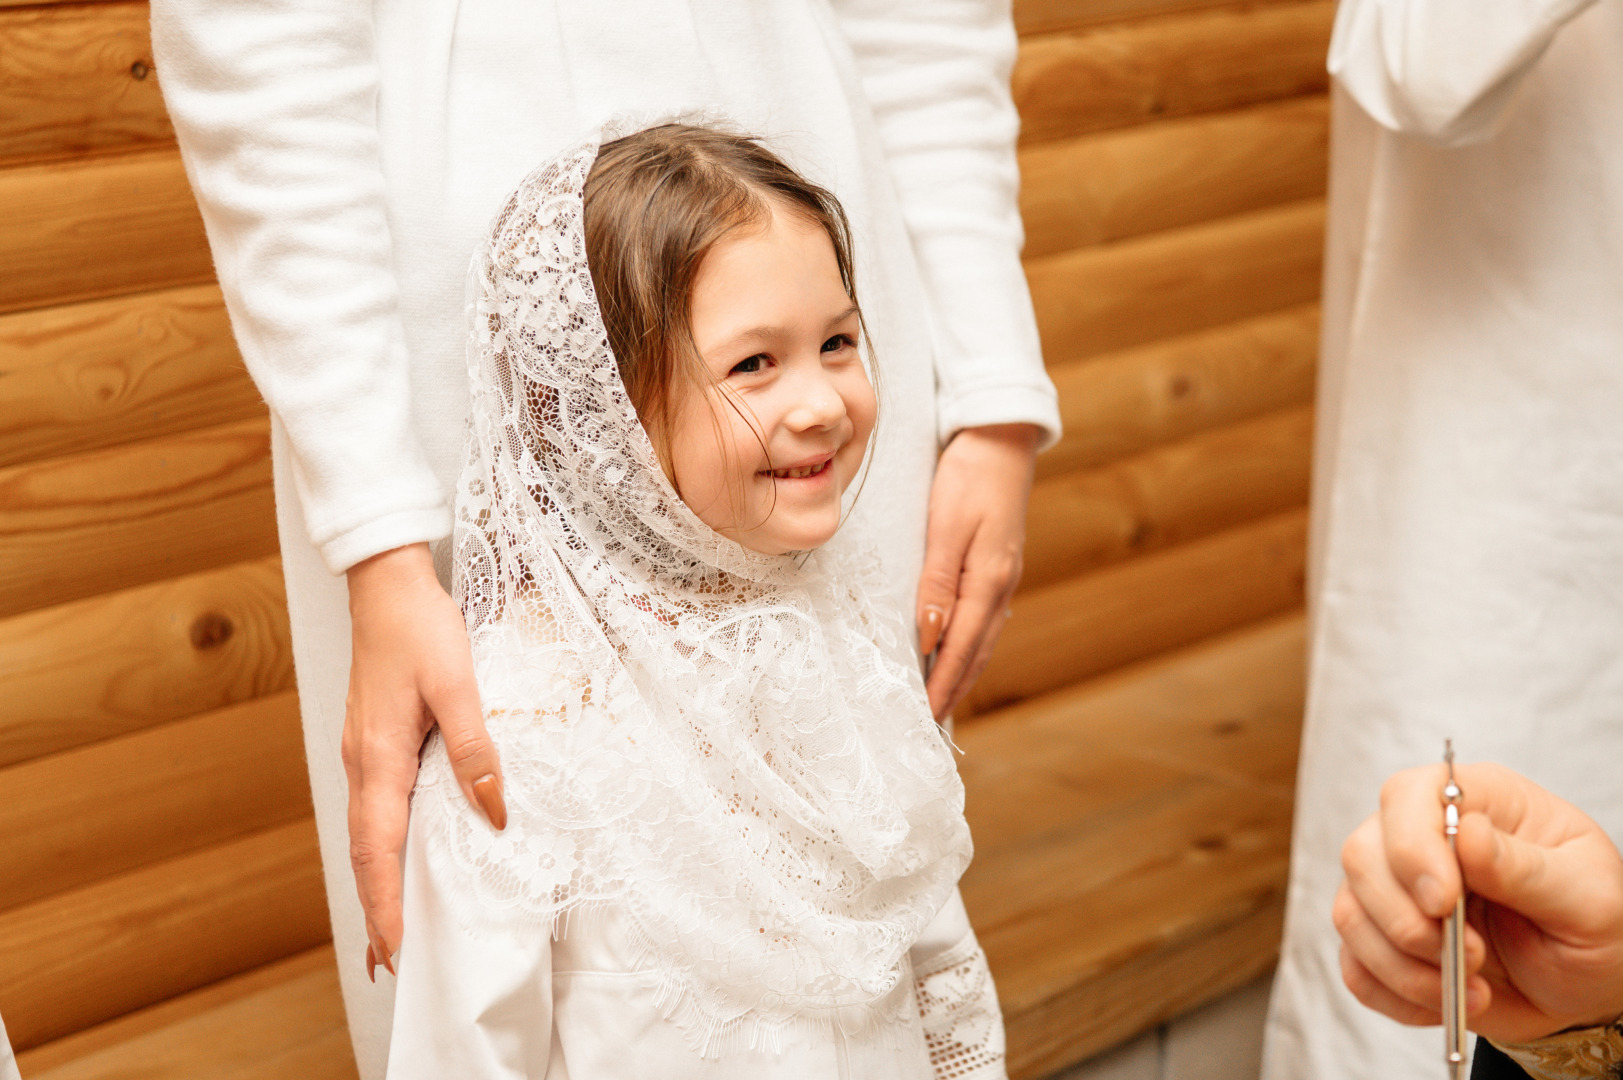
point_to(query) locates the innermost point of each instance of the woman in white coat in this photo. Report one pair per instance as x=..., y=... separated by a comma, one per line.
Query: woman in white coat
x=1468, y=544
x=348, y=154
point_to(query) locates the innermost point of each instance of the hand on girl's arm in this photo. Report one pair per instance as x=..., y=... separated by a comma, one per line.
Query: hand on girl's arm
x=972, y=552
x=1544, y=950
x=411, y=669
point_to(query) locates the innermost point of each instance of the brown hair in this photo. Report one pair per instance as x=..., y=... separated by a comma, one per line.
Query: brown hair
x=655, y=204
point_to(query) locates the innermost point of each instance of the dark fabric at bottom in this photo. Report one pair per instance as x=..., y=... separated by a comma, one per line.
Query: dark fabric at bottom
x=1489, y=1064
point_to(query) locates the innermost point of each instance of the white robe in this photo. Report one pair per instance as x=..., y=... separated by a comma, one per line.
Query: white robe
x=1468, y=535
x=348, y=155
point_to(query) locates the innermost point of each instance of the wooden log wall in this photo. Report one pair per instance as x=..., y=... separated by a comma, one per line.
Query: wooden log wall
x=160, y=894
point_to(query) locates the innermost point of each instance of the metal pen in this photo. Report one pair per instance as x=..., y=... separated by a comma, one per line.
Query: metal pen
x=1453, y=960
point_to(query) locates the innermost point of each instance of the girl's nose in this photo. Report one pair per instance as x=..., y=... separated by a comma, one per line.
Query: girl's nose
x=818, y=403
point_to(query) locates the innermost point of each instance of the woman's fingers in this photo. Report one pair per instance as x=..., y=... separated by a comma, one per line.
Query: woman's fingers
x=378, y=812
x=972, y=553
x=946, y=544
x=974, y=630
x=454, y=705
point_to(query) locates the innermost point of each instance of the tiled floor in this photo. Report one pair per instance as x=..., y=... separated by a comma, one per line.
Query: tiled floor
x=1222, y=1041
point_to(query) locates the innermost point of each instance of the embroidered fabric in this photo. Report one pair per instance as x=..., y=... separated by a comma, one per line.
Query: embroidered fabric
x=734, y=748
x=1586, y=1054
x=963, y=1026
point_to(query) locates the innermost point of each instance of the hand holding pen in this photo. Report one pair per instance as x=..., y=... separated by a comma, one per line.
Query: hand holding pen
x=1544, y=946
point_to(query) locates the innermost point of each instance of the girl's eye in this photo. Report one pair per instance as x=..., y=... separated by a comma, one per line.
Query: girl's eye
x=749, y=365
x=838, y=342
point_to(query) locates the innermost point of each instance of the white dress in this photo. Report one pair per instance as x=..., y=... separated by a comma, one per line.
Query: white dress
x=347, y=156
x=1468, y=547
x=583, y=1007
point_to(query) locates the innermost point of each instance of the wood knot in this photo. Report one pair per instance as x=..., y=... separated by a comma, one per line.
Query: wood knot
x=140, y=70
x=210, y=630
x=1211, y=843
x=1227, y=727
x=1181, y=387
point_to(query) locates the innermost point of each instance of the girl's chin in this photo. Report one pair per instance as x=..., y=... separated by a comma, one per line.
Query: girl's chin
x=781, y=539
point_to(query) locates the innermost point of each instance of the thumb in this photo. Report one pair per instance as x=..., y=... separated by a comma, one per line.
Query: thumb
x=944, y=551
x=1530, y=880
x=455, y=706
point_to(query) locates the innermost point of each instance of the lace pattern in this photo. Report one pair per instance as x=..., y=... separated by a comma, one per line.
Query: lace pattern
x=734, y=748
x=963, y=1025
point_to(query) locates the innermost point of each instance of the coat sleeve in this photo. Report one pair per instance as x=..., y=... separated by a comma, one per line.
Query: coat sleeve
x=936, y=73
x=1442, y=69
x=963, y=1025
x=275, y=106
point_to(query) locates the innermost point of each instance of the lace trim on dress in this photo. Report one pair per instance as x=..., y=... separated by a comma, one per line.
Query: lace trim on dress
x=733, y=748
x=963, y=1026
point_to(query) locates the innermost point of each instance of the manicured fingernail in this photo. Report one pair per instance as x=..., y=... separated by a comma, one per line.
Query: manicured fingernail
x=488, y=790
x=371, y=964
x=932, y=629
x=388, y=964
x=1429, y=891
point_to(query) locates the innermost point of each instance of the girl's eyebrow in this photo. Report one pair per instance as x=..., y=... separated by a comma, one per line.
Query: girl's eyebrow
x=767, y=333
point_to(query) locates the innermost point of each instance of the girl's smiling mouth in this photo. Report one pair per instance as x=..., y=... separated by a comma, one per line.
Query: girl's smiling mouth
x=804, y=471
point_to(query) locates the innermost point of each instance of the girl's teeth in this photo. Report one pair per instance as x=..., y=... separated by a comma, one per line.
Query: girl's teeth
x=800, y=473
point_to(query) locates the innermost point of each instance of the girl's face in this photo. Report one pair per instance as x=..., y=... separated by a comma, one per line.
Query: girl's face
x=764, y=453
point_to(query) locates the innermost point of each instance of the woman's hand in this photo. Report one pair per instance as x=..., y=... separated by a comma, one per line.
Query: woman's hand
x=972, y=552
x=411, y=668
x=1545, y=946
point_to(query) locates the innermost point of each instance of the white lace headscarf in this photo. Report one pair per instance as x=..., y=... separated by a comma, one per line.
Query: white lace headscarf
x=733, y=748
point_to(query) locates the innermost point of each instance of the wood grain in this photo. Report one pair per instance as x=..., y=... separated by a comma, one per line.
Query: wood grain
x=1083, y=627
x=115, y=664
x=74, y=818
x=111, y=519
x=83, y=957
x=284, y=1021
x=1118, y=184
x=78, y=79
x=1170, y=495
x=1152, y=878
x=1046, y=16
x=1123, y=403
x=1203, y=61
x=1101, y=299
x=98, y=226
x=107, y=372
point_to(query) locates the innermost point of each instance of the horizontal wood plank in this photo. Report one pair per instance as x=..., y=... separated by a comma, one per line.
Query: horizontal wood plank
x=83, y=957
x=1083, y=627
x=1152, y=879
x=99, y=226
x=76, y=817
x=107, y=372
x=1110, y=76
x=91, y=523
x=78, y=79
x=1126, y=402
x=284, y=1021
x=115, y=664
x=1195, y=964
x=1047, y=16
x=1118, y=184
x=1101, y=299
x=1169, y=495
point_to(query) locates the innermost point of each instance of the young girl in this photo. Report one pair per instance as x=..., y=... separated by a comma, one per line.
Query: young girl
x=734, y=830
